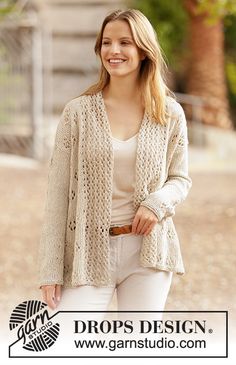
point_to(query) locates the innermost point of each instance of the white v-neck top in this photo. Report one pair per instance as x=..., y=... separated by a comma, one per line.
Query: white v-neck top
x=123, y=180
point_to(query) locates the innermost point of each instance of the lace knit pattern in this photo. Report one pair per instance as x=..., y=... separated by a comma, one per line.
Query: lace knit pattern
x=74, y=244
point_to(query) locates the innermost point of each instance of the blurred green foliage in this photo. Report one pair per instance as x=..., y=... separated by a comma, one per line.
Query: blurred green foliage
x=6, y=7
x=230, y=57
x=216, y=9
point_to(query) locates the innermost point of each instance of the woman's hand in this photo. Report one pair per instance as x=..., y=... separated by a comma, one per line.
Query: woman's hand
x=144, y=221
x=51, y=294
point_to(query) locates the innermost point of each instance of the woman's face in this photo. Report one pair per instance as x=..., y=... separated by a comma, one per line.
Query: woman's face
x=119, y=53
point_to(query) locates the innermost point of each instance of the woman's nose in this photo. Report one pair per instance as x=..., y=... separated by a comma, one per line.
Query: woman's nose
x=115, y=48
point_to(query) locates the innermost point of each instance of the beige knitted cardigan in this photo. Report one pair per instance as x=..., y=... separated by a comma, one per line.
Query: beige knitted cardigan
x=74, y=244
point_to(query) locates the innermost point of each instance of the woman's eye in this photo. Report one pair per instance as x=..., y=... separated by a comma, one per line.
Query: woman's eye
x=123, y=43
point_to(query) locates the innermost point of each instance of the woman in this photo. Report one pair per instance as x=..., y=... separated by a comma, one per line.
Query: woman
x=118, y=169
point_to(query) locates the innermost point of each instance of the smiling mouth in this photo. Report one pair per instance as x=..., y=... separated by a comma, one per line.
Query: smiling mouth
x=115, y=61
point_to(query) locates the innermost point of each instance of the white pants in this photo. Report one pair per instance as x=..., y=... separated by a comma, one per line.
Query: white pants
x=138, y=288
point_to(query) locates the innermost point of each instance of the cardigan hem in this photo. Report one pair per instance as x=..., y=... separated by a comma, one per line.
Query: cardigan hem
x=92, y=283
x=165, y=268
x=50, y=282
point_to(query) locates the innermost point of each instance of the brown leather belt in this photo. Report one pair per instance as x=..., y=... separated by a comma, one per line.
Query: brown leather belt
x=115, y=231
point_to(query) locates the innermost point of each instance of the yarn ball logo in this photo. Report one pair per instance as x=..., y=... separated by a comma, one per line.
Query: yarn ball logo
x=34, y=325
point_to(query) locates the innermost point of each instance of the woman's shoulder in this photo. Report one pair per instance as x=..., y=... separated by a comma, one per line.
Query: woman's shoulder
x=174, y=108
x=78, y=101
x=176, y=116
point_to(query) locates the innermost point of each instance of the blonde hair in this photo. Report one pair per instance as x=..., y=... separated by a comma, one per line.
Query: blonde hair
x=153, y=68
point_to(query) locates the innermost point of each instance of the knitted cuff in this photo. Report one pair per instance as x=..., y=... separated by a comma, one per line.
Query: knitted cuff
x=50, y=282
x=161, y=210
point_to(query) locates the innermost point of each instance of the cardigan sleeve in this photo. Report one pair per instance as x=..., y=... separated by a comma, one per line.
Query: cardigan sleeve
x=52, y=239
x=163, y=201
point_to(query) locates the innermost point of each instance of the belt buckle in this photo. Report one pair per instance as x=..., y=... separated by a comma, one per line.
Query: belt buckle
x=111, y=232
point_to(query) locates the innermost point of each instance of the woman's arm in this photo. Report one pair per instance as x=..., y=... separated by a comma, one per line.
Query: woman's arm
x=163, y=201
x=51, y=247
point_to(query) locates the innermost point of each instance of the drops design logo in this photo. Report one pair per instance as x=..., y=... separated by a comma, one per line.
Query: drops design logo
x=34, y=325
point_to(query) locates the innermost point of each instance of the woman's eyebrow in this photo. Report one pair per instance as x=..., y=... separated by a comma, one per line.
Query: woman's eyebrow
x=119, y=38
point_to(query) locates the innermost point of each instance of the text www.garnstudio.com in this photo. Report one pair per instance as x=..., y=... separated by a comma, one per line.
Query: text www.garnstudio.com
x=146, y=343
x=142, y=327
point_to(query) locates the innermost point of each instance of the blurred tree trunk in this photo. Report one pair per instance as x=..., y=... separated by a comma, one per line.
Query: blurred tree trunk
x=206, y=70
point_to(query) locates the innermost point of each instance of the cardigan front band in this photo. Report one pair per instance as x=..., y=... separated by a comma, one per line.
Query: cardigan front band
x=74, y=244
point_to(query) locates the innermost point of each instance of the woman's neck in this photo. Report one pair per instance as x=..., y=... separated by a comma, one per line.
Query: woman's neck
x=123, y=90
